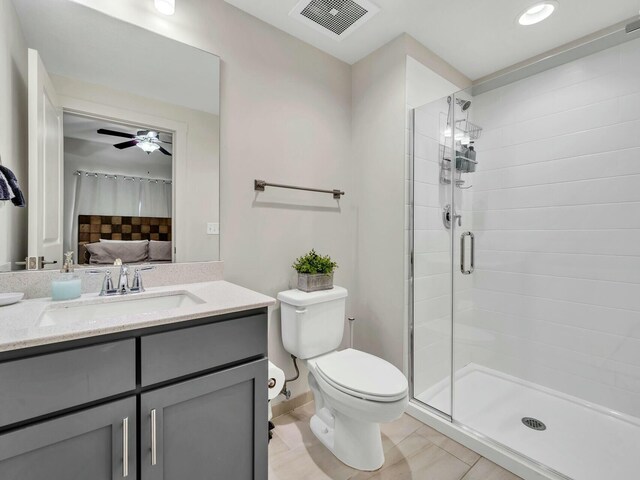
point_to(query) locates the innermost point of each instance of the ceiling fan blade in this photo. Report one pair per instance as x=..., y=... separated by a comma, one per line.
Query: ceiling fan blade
x=104, y=131
x=164, y=151
x=130, y=143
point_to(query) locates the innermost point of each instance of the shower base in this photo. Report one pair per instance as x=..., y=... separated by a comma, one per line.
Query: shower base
x=581, y=441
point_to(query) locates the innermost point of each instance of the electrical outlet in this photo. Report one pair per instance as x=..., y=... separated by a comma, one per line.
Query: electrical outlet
x=213, y=229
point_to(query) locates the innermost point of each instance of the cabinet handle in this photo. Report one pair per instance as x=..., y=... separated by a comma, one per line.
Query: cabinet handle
x=154, y=445
x=125, y=447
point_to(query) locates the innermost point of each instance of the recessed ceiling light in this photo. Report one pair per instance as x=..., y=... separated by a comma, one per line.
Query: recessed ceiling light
x=537, y=13
x=166, y=7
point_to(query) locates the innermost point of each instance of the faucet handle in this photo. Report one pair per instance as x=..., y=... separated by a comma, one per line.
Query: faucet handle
x=137, y=286
x=107, y=283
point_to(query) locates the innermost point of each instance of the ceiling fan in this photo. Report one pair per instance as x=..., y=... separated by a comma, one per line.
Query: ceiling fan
x=147, y=140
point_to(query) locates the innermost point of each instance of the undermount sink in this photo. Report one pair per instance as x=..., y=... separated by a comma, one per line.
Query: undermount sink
x=115, y=307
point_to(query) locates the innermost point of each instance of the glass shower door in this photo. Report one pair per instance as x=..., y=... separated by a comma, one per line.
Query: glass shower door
x=432, y=254
x=466, y=337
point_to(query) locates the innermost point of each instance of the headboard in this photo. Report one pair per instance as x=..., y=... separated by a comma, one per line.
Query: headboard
x=92, y=228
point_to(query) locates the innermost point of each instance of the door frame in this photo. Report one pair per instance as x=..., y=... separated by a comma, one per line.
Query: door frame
x=39, y=86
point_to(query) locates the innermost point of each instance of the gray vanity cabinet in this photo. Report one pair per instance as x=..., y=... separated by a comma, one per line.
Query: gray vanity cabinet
x=172, y=402
x=94, y=444
x=210, y=427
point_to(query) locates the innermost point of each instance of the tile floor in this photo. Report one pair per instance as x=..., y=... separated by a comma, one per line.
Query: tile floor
x=412, y=451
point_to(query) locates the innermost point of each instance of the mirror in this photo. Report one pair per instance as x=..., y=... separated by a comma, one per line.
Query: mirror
x=114, y=140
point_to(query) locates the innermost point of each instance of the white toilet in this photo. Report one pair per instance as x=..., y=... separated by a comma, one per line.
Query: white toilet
x=354, y=391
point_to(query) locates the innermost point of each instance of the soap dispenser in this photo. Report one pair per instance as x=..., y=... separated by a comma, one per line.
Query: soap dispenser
x=67, y=285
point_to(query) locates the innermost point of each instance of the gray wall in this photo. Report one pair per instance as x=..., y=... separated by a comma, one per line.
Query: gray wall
x=378, y=140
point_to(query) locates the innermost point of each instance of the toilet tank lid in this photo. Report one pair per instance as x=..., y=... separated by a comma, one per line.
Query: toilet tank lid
x=298, y=298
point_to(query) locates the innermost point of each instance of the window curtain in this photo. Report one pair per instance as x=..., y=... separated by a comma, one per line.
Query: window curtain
x=100, y=194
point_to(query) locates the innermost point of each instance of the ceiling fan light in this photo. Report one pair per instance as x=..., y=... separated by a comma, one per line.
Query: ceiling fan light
x=166, y=7
x=148, y=146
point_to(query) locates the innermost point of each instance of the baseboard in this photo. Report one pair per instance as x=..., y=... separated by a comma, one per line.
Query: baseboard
x=291, y=404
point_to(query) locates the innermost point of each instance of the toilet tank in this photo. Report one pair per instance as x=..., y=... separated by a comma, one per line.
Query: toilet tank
x=312, y=323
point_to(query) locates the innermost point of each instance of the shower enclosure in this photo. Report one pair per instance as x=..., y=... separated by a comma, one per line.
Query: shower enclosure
x=525, y=248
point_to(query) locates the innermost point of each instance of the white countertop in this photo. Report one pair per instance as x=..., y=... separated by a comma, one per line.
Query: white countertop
x=21, y=325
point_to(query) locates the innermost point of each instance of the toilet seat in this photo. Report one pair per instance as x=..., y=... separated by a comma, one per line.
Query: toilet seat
x=362, y=375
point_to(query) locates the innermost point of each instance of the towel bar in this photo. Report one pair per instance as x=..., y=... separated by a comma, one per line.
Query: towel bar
x=259, y=185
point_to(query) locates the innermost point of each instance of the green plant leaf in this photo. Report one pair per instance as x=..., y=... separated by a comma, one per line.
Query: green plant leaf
x=313, y=263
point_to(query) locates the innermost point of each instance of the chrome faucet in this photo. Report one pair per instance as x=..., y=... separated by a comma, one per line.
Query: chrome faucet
x=108, y=289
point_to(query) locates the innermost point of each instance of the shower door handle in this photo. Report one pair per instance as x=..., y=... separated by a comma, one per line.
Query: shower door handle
x=463, y=255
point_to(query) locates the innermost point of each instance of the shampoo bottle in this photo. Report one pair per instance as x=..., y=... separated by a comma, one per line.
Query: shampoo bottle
x=67, y=285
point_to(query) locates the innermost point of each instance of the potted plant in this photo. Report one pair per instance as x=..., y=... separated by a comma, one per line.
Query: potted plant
x=315, y=272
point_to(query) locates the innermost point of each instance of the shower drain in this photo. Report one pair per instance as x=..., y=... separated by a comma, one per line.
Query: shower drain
x=534, y=423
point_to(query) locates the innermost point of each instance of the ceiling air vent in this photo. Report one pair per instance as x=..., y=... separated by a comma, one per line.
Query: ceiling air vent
x=336, y=18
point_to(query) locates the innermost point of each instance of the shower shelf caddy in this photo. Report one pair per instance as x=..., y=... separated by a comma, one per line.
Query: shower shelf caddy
x=466, y=132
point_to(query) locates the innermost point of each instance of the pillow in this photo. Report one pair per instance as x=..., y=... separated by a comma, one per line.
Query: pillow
x=160, y=251
x=128, y=252
x=122, y=241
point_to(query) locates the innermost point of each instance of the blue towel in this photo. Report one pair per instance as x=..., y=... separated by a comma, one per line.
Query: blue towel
x=18, y=200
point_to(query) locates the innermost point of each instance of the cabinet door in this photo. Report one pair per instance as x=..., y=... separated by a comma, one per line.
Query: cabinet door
x=212, y=427
x=95, y=444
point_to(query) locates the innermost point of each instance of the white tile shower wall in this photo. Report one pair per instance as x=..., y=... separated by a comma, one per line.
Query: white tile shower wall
x=556, y=213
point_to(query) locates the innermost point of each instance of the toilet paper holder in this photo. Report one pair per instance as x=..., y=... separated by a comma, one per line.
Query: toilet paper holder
x=285, y=391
